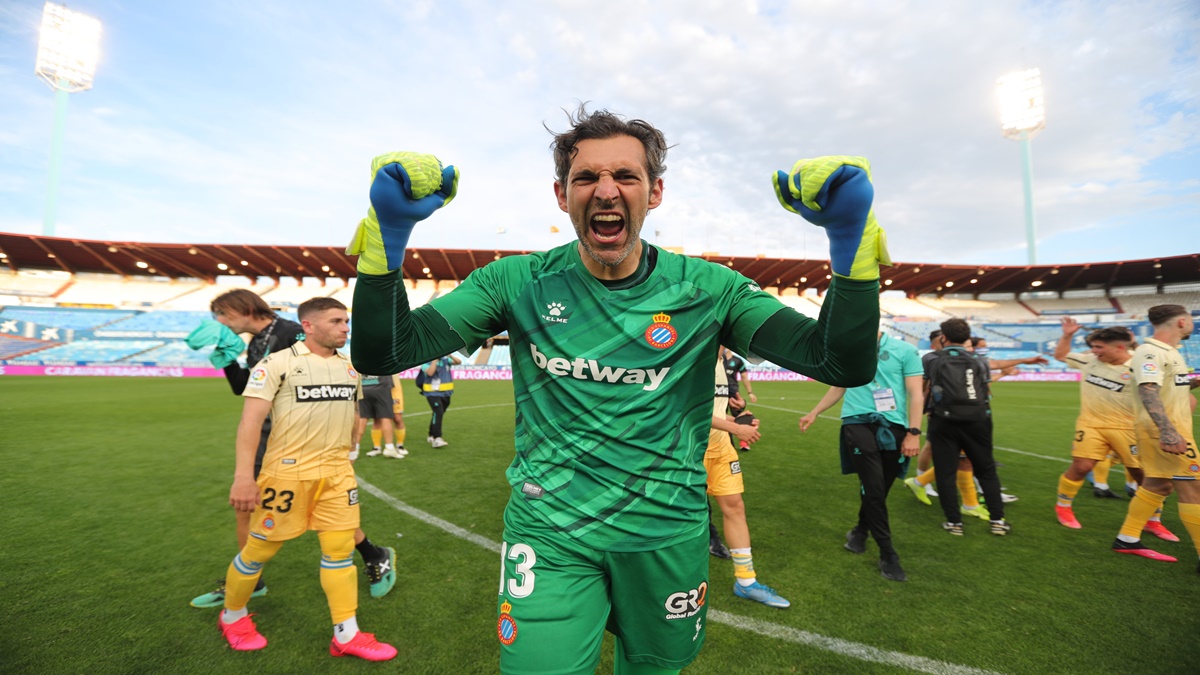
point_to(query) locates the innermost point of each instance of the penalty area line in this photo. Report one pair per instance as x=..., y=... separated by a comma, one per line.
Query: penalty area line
x=844, y=647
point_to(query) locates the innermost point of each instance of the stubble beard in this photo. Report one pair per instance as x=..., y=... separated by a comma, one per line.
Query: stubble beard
x=633, y=235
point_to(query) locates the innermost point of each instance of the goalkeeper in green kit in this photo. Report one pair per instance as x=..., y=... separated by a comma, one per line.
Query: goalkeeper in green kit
x=612, y=342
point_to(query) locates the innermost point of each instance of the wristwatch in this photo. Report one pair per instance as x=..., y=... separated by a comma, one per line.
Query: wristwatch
x=915, y=431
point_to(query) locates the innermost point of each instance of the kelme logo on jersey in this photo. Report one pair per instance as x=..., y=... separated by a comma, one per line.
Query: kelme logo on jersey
x=685, y=604
x=590, y=369
x=506, y=628
x=325, y=392
x=556, y=312
x=661, y=333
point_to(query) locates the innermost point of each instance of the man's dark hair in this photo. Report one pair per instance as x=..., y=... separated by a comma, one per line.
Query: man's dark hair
x=1110, y=335
x=976, y=339
x=317, y=305
x=242, y=301
x=956, y=331
x=935, y=334
x=1160, y=314
x=601, y=124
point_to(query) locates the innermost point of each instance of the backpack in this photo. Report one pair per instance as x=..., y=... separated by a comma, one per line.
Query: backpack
x=420, y=380
x=958, y=386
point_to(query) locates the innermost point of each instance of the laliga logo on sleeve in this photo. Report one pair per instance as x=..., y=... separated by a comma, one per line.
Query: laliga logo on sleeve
x=661, y=333
x=257, y=378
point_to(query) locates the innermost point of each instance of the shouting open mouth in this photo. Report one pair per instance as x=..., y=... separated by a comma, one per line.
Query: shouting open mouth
x=607, y=228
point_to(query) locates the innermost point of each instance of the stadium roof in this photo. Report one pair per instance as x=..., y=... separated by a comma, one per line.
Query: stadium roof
x=208, y=261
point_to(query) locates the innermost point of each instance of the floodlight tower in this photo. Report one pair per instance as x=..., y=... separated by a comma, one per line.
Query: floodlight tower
x=68, y=50
x=1022, y=115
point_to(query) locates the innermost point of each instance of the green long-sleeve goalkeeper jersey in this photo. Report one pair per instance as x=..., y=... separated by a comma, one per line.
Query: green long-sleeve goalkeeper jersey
x=613, y=381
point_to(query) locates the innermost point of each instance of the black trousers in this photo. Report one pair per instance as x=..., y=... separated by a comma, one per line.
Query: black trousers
x=438, y=405
x=877, y=470
x=947, y=438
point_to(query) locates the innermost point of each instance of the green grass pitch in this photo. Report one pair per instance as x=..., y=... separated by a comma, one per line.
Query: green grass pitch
x=115, y=515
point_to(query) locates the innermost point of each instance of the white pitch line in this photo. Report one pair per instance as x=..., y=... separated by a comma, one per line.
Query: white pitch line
x=430, y=519
x=844, y=647
x=1030, y=454
x=450, y=410
x=997, y=447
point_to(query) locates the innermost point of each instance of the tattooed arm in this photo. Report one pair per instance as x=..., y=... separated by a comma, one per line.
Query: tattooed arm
x=1169, y=438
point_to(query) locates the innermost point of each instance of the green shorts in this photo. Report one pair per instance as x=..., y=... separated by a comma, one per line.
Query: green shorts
x=557, y=597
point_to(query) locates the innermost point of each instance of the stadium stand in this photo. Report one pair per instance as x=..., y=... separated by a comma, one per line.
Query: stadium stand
x=915, y=308
x=156, y=321
x=291, y=296
x=200, y=299
x=500, y=356
x=344, y=294
x=1095, y=303
x=99, y=290
x=109, y=308
x=421, y=292
x=13, y=347
x=916, y=332
x=92, y=351
x=176, y=353
x=31, y=284
x=1134, y=305
x=73, y=319
x=969, y=308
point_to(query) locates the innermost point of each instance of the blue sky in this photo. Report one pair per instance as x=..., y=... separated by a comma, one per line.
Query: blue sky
x=230, y=122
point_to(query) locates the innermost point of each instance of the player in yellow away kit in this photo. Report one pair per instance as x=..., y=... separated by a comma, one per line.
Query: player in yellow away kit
x=1105, y=423
x=1163, y=424
x=307, y=482
x=724, y=473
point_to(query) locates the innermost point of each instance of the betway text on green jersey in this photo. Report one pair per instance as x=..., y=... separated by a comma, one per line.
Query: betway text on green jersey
x=613, y=385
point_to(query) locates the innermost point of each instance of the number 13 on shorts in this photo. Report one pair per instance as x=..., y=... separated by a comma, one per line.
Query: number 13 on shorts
x=520, y=585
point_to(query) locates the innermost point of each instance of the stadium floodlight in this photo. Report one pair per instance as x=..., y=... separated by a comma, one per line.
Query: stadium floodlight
x=1023, y=114
x=68, y=50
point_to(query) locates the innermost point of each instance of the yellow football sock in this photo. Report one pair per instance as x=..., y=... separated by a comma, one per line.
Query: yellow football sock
x=400, y=433
x=927, y=477
x=966, y=487
x=243, y=573
x=743, y=564
x=338, y=574
x=1100, y=471
x=1190, y=515
x=1141, y=507
x=1067, y=489
x=376, y=437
